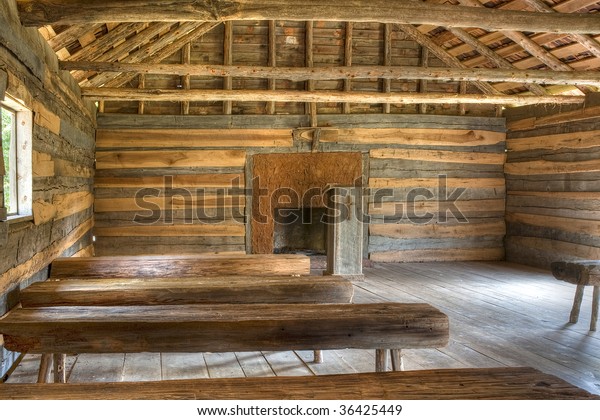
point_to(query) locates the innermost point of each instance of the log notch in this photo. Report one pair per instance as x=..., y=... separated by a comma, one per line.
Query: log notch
x=387, y=61
x=348, y=62
x=311, y=107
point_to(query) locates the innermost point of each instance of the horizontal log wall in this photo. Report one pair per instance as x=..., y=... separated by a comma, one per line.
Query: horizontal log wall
x=553, y=183
x=63, y=158
x=401, y=153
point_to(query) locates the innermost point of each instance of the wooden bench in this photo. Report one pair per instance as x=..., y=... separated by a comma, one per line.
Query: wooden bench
x=446, y=384
x=223, y=328
x=180, y=291
x=580, y=273
x=181, y=266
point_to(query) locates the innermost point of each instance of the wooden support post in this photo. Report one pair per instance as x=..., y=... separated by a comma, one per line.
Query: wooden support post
x=397, y=360
x=186, y=58
x=387, y=61
x=595, y=303
x=60, y=374
x=311, y=107
x=227, y=60
x=424, y=61
x=45, y=368
x=381, y=360
x=272, y=63
x=318, y=356
x=348, y=62
x=141, y=85
x=101, y=107
x=462, y=109
x=577, y=304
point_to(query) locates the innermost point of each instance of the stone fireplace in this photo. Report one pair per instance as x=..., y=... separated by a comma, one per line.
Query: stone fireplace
x=289, y=199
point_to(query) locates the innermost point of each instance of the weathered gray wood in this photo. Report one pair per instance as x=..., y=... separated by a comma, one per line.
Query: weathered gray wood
x=581, y=273
x=463, y=384
x=171, y=291
x=397, y=360
x=126, y=94
x=344, y=231
x=37, y=13
x=45, y=368
x=189, y=328
x=180, y=266
x=60, y=374
x=381, y=360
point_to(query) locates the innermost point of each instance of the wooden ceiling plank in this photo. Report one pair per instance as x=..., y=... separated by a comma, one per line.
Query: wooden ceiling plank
x=177, y=95
x=492, y=57
x=42, y=12
x=164, y=47
x=587, y=41
x=446, y=58
x=71, y=34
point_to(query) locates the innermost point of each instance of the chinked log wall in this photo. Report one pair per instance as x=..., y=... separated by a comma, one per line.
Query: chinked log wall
x=553, y=183
x=63, y=158
x=401, y=153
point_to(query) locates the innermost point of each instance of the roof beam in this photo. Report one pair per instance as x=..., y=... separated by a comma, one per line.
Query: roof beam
x=297, y=74
x=43, y=12
x=492, y=57
x=202, y=95
x=159, y=50
x=443, y=55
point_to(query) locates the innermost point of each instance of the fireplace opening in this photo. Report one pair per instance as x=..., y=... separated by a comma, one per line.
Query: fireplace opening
x=300, y=231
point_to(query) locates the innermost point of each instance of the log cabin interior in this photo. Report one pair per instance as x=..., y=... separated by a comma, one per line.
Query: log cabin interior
x=463, y=137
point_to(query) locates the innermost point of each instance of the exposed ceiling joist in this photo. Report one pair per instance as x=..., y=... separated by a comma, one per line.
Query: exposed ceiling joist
x=355, y=72
x=177, y=95
x=43, y=12
x=443, y=55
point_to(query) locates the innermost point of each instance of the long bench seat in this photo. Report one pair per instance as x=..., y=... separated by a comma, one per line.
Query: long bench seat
x=190, y=290
x=181, y=266
x=225, y=327
x=446, y=384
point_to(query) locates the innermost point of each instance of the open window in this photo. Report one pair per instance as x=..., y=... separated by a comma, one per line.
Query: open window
x=16, y=132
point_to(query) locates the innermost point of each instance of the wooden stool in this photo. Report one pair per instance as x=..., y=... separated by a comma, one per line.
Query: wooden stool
x=580, y=273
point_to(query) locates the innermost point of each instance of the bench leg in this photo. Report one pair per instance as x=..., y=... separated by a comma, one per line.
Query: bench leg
x=397, y=360
x=576, y=304
x=381, y=360
x=44, y=372
x=318, y=356
x=60, y=375
x=595, y=302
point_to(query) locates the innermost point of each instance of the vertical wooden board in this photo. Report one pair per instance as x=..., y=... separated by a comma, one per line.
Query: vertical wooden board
x=254, y=364
x=98, y=368
x=183, y=366
x=141, y=367
x=287, y=363
x=223, y=365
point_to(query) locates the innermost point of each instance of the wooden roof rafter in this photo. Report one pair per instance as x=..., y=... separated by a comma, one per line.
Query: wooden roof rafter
x=42, y=12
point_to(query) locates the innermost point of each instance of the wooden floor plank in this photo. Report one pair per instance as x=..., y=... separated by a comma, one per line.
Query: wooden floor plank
x=501, y=314
x=141, y=367
x=183, y=366
x=253, y=363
